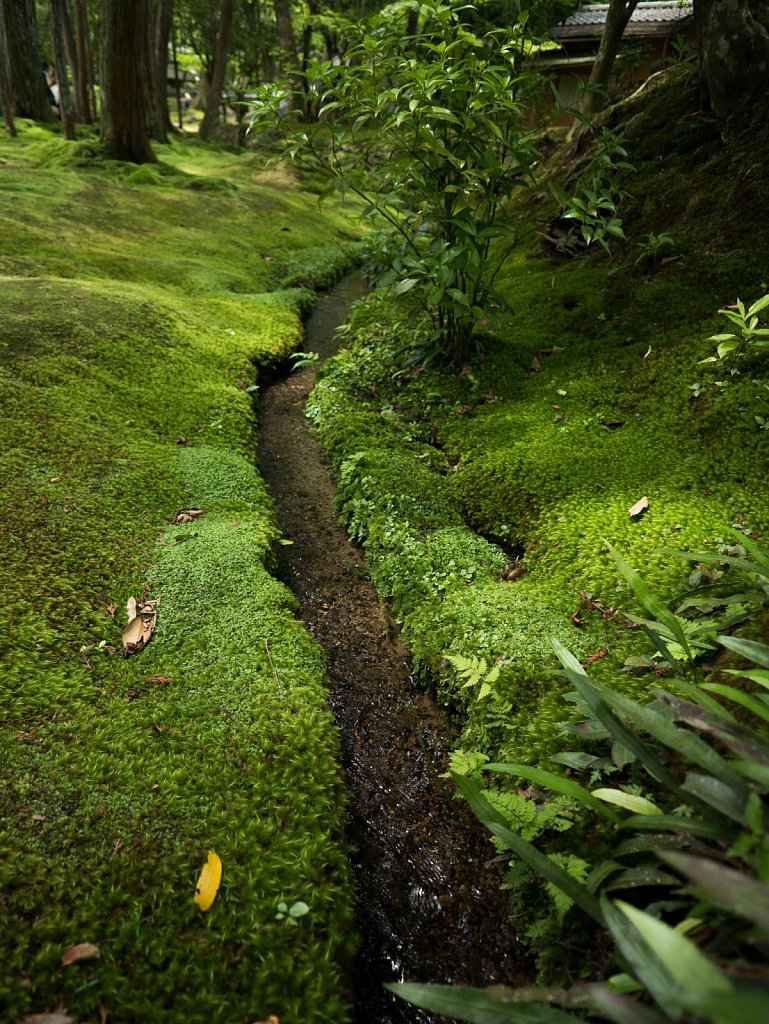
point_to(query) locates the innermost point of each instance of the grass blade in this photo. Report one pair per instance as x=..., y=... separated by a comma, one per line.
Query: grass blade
x=479, y=1005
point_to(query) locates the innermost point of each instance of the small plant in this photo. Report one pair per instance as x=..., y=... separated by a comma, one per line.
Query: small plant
x=749, y=334
x=475, y=672
x=291, y=914
x=303, y=359
x=680, y=867
x=654, y=247
x=595, y=207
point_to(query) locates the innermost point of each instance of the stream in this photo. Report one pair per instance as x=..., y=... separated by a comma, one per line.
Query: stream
x=428, y=881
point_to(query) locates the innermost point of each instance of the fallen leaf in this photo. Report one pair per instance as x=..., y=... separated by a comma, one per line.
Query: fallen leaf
x=186, y=515
x=48, y=1018
x=136, y=635
x=536, y=366
x=159, y=679
x=272, y=1019
x=209, y=881
x=639, y=508
x=82, y=951
x=551, y=350
x=38, y=817
x=112, y=608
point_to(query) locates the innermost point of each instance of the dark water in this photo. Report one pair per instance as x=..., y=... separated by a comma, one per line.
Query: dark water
x=428, y=897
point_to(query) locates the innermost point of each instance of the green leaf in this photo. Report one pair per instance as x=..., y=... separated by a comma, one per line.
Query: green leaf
x=725, y=799
x=637, y=804
x=758, y=305
x=738, y=697
x=539, y=862
x=479, y=1006
x=759, y=653
x=619, y=1008
x=650, y=601
x=680, y=823
x=673, y=969
x=727, y=888
x=565, y=657
x=557, y=783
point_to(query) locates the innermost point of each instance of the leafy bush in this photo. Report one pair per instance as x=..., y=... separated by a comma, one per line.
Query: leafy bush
x=685, y=831
x=427, y=128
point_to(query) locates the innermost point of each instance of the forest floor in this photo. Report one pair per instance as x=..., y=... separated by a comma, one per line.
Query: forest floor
x=141, y=309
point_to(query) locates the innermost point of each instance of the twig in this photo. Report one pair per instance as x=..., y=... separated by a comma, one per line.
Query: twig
x=272, y=666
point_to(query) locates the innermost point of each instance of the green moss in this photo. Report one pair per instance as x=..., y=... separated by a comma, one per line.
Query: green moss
x=131, y=330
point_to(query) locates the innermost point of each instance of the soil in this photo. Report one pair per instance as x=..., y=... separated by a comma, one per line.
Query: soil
x=429, y=902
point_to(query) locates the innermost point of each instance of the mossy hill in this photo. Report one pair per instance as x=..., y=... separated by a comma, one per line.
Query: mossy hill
x=485, y=495
x=136, y=305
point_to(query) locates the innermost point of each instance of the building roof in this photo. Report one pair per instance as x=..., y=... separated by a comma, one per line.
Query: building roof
x=650, y=18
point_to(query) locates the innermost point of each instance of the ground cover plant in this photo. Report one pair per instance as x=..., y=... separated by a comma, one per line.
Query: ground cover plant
x=485, y=496
x=134, y=305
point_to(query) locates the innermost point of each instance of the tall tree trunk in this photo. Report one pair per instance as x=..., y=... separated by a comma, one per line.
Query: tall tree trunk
x=27, y=91
x=78, y=67
x=126, y=80
x=617, y=17
x=83, y=77
x=287, y=42
x=733, y=40
x=5, y=90
x=58, y=12
x=163, y=24
x=210, y=123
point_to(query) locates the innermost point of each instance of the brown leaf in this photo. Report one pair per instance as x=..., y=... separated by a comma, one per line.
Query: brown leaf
x=536, y=366
x=272, y=1019
x=639, y=508
x=159, y=679
x=82, y=951
x=551, y=350
x=186, y=515
x=112, y=608
x=137, y=634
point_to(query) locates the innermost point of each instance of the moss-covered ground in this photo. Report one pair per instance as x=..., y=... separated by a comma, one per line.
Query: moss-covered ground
x=593, y=398
x=135, y=304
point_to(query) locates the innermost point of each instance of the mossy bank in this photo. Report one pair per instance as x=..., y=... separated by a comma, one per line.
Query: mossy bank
x=484, y=494
x=135, y=306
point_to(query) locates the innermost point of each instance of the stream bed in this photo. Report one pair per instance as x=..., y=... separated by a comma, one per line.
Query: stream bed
x=428, y=880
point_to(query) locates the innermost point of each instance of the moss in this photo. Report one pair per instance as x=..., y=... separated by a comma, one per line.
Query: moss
x=131, y=334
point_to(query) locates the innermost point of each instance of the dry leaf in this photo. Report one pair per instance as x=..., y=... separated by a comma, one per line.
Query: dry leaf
x=136, y=635
x=186, y=515
x=131, y=608
x=48, y=1018
x=209, y=881
x=535, y=365
x=639, y=508
x=159, y=679
x=82, y=951
x=272, y=1019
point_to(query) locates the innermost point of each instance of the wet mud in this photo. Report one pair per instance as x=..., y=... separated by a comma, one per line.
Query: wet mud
x=428, y=896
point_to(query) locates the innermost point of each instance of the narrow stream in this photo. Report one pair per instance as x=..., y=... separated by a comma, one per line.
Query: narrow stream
x=429, y=904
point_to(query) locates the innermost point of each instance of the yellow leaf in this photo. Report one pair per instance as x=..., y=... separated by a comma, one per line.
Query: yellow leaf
x=209, y=881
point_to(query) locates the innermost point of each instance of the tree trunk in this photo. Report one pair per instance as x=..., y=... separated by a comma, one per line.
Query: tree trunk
x=58, y=13
x=126, y=80
x=287, y=42
x=83, y=75
x=27, y=91
x=162, y=35
x=733, y=39
x=617, y=17
x=210, y=123
x=5, y=91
